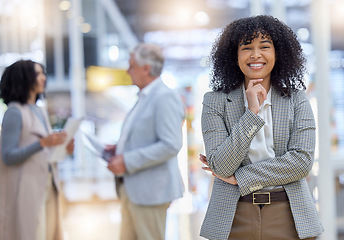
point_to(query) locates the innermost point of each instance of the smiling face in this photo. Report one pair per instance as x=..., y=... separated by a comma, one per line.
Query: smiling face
x=256, y=59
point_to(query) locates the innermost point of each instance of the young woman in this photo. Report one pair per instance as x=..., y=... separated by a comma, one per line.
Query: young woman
x=28, y=181
x=259, y=135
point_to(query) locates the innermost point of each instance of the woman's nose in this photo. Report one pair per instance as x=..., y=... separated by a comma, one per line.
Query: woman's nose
x=255, y=54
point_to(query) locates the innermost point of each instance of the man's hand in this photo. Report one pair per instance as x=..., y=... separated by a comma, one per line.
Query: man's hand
x=109, y=152
x=117, y=165
x=231, y=179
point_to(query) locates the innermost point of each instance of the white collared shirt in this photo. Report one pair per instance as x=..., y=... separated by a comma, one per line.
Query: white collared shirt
x=262, y=145
x=143, y=93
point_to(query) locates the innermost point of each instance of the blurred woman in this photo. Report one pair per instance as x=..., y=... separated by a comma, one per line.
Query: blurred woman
x=28, y=181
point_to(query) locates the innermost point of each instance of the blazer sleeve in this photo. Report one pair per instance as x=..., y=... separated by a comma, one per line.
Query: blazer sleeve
x=226, y=145
x=169, y=116
x=294, y=164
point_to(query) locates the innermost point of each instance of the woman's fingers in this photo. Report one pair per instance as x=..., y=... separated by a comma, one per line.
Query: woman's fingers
x=70, y=147
x=54, y=139
x=207, y=169
x=203, y=159
x=256, y=95
x=253, y=82
x=59, y=137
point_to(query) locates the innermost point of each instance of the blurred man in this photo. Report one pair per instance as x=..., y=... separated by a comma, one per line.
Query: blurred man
x=145, y=163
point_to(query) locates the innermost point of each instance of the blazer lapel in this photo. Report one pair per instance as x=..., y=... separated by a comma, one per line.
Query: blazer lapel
x=280, y=121
x=145, y=103
x=235, y=106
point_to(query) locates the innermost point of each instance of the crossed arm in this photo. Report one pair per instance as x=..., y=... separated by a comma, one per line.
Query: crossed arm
x=225, y=152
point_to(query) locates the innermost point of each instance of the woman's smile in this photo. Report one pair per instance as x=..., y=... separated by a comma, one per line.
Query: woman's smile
x=256, y=59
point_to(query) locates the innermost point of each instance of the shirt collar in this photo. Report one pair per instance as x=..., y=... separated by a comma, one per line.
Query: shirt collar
x=266, y=102
x=147, y=89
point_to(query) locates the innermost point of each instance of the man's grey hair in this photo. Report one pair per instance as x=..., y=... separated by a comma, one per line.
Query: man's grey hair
x=149, y=54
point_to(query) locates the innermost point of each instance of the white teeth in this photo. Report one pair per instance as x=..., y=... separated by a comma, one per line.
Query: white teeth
x=256, y=65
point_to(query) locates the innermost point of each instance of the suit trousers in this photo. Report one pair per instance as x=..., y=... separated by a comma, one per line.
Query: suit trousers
x=266, y=222
x=140, y=222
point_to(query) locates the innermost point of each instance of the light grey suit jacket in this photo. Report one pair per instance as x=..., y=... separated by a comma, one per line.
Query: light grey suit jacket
x=151, y=149
x=228, y=129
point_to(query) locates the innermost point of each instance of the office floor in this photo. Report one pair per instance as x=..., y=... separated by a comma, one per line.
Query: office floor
x=100, y=220
x=91, y=210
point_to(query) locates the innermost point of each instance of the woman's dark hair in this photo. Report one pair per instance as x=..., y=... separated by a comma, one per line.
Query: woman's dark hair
x=287, y=74
x=17, y=81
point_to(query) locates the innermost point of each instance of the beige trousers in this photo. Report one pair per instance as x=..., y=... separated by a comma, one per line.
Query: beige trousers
x=47, y=228
x=271, y=222
x=141, y=222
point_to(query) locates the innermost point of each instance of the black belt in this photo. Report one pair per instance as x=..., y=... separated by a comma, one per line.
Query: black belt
x=265, y=197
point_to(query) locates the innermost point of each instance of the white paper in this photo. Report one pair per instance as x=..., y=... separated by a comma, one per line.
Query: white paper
x=95, y=146
x=60, y=152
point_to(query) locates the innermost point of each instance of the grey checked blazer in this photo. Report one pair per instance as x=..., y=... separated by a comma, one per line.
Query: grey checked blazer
x=228, y=129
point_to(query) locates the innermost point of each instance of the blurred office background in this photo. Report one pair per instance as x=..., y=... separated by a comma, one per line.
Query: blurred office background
x=85, y=46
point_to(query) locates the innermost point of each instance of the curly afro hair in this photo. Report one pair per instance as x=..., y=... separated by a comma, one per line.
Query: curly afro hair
x=17, y=81
x=288, y=72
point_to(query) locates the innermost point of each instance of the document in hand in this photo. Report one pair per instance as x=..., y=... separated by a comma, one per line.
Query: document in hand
x=95, y=146
x=60, y=152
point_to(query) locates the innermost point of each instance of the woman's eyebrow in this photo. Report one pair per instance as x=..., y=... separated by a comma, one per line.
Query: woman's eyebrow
x=265, y=41
x=244, y=43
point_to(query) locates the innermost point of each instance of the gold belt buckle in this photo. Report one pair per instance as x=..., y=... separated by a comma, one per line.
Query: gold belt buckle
x=261, y=193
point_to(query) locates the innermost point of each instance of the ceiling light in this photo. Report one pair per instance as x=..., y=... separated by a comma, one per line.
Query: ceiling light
x=201, y=18
x=64, y=5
